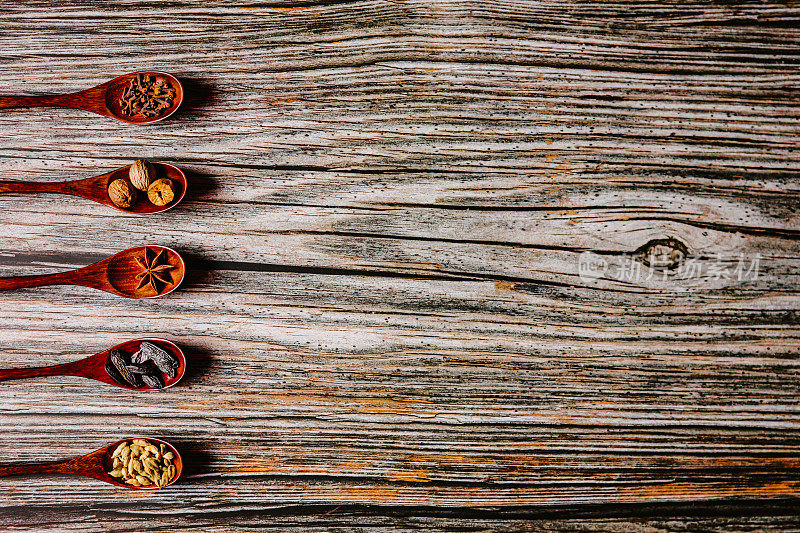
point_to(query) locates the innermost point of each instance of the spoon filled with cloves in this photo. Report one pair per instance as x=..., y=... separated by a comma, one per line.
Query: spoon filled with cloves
x=136, y=98
x=142, y=188
x=141, y=364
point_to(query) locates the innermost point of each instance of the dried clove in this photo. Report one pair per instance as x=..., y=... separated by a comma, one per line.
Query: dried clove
x=147, y=96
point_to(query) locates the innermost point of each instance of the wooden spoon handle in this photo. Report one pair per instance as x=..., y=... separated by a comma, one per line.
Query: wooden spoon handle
x=21, y=282
x=66, y=369
x=34, y=468
x=32, y=186
x=55, y=100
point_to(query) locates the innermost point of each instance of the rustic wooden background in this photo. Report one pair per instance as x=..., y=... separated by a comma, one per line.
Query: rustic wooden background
x=384, y=311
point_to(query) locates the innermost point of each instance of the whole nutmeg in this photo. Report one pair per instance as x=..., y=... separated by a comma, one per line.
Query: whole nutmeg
x=161, y=192
x=142, y=174
x=122, y=193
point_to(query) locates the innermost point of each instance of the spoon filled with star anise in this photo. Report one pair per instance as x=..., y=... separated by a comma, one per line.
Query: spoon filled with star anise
x=141, y=272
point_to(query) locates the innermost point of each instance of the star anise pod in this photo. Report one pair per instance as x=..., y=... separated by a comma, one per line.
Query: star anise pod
x=153, y=273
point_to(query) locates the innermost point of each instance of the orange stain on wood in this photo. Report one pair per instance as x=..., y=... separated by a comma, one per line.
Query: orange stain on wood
x=409, y=400
x=504, y=286
x=392, y=405
x=390, y=411
x=254, y=8
x=299, y=8
x=349, y=466
x=518, y=462
x=451, y=459
x=259, y=465
x=410, y=475
x=352, y=494
x=286, y=101
x=135, y=493
x=787, y=488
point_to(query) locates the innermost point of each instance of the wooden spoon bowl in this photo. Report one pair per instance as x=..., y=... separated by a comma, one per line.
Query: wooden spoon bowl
x=108, y=461
x=116, y=87
x=125, y=271
x=142, y=206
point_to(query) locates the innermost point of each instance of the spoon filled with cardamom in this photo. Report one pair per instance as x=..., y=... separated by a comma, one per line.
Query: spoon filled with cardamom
x=141, y=188
x=140, y=272
x=140, y=364
x=140, y=463
x=136, y=98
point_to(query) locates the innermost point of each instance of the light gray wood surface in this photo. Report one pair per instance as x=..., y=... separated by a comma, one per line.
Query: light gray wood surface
x=384, y=311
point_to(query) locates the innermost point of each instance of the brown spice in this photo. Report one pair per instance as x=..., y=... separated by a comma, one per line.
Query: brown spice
x=150, y=363
x=147, y=96
x=161, y=192
x=142, y=173
x=155, y=270
x=141, y=463
x=122, y=193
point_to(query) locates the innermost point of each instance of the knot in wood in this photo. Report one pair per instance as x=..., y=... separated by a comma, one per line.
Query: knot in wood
x=663, y=254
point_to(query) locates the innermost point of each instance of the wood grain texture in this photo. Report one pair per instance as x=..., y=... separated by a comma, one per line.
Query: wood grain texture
x=388, y=206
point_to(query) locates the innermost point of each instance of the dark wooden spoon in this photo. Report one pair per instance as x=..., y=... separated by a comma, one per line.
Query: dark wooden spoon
x=96, y=464
x=96, y=188
x=141, y=272
x=103, y=99
x=93, y=367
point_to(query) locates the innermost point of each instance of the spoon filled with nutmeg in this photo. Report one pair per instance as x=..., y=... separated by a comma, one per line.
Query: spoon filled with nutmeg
x=140, y=272
x=136, y=98
x=140, y=364
x=142, y=187
x=138, y=463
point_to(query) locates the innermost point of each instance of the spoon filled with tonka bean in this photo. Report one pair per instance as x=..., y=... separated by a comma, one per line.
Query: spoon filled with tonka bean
x=141, y=188
x=141, y=364
x=140, y=463
x=136, y=98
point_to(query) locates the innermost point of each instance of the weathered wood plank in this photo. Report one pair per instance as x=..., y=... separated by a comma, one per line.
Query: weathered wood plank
x=384, y=304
